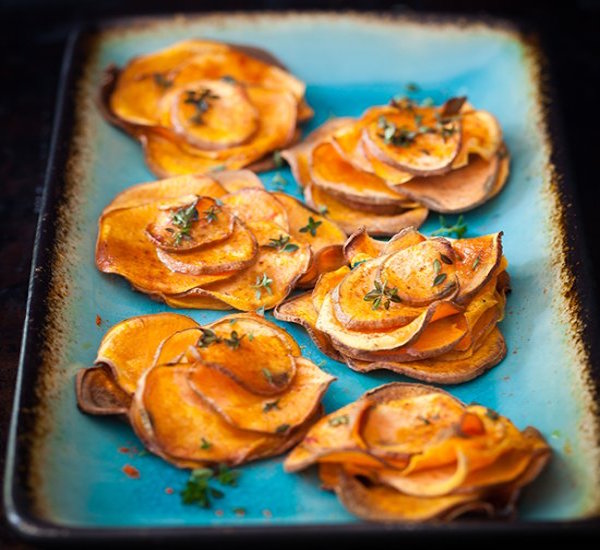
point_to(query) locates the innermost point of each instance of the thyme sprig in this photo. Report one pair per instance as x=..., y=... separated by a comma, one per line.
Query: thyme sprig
x=283, y=244
x=382, y=294
x=200, y=99
x=458, y=229
x=198, y=489
x=183, y=218
x=311, y=227
x=208, y=338
x=211, y=215
x=262, y=282
x=234, y=341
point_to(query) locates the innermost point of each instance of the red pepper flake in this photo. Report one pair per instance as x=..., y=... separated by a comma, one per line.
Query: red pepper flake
x=219, y=512
x=98, y=320
x=124, y=450
x=169, y=490
x=131, y=471
x=239, y=512
x=267, y=513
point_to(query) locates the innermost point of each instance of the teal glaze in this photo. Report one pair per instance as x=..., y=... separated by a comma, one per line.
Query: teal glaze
x=349, y=65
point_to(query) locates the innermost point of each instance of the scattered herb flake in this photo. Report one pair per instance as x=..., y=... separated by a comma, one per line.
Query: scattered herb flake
x=283, y=244
x=267, y=374
x=382, y=294
x=323, y=210
x=227, y=476
x=282, y=428
x=437, y=266
x=279, y=181
x=439, y=279
x=205, y=444
x=200, y=99
x=458, y=229
x=183, y=218
x=211, y=214
x=341, y=420
x=491, y=414
x=262, y=282
x=446, y=259
x=476, y=263
x=161, y=80
x=278, y=159
x=208, y=337
x=234, y=341
x=412, y=87
x=270, y=405
x=311, y=226
x=424, y=419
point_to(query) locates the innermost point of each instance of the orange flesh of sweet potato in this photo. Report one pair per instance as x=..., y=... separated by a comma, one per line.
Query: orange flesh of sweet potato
x=128, y=348
x=268, y=414
x=251, y=205
x=209, y=224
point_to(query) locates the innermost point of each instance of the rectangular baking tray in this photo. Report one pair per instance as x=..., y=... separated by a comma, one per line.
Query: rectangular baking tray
x=64, y=476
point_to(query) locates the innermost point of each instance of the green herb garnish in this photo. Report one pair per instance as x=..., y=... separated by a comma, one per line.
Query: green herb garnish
x=283, y=244
x=491, y=414
x=208, y=337
x=262, y=282
x=476, y=263
x=282, y=429
x=439, y=279
x=339, y=420
x=211, y=214
x=161, y=80
x=311, y=226
x=437, y=266
x=271, y=405
x=205, y=445
x=458, y=229
x=267, y=374
x=278, y=159
x=446, y=259
x=200, y=99
x=227, y=476
x=382, y=294
x=183, y=218
x=234, y=341
x=424, y=420
x=198, y=490
x=279, y=181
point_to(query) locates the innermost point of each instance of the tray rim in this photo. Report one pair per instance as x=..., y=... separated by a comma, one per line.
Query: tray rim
x=19, y=514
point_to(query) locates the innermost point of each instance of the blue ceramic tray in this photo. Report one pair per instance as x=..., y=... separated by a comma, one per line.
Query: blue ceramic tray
x=64, y=469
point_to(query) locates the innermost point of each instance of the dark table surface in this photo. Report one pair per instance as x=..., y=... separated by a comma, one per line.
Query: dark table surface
x=33, y=35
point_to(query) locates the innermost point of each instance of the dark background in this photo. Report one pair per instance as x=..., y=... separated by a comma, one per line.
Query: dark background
x=32, y=38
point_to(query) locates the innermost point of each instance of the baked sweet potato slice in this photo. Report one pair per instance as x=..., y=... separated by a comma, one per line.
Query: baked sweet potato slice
x=300, y=310
x=477, y=259
x=252, y=205
x=333, y=438
x=383, y=504
x=267, y=282
x=418, y=140
x=482, y=136
x=236, y=253
x=422, y=273
x=128, y=348
x=173, y=349
x=298, y=155
x=123, y=248
x=178, y=421
x=458, y=190
x=228, y=117
x=260, y=413
x=350, y=219
x=257, y=354
x=189, y=223
x=330, y=171
x=167, y=190
x=437, y=370
x=168, y=154
x=236, y=180
x=99, y=394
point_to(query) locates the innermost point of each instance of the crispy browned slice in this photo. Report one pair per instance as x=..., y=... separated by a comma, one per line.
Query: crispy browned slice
x=236, y=253
x=128, y=348
x=167, y=190
x=326, y=283
x=298, y=155
x=350, y=219
x=207, y=223
x=339, y=178
x=123, y=248
x=395, y=138
x=456, y=371
x=382, y=504
x=168, y=154
x=477, y=260
x=334, y=438
x=267, y=282
x=173, y=422
x=375, y=340
x=236, y=180
x=257, y=354
x=300, y=310
x=329, y=258
x=482, y=135
x=259, y=413
x=458, y=190
x=98, y=393
x=253, y=205
x=229, y=117
x=421, y=273
x=361, y=246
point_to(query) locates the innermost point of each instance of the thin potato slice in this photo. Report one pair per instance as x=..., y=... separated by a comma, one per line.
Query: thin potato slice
x=258, y=413
x=236, y=253
x=326, y=260
x=124, y=249
x=421, y=273
x=477, y=259
x=264, y=284
x=98, y=393
x=421, y=153
x=229, y=117
x=298, y=155
x=173, y=348
x=179, y=421
x=350, y=219
x=236, y=180
x=482, y=135
x=257, y=205
x=437, y=370
x=330, y=440
x=207, y=223
x=457, y=191
x=382, y=504
x=257, y=354
x=339, y=178
x=300, y=310
x=167, y=190
x=128, y=348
